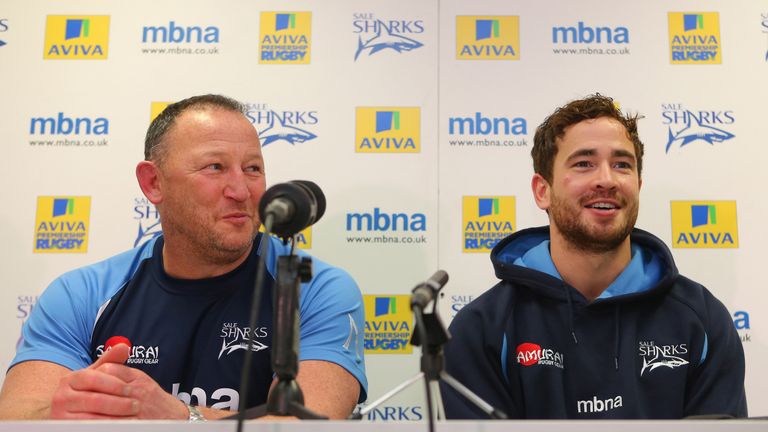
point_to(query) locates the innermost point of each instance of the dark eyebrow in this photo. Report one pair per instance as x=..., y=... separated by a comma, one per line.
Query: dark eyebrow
x=581, y=153
x=624, y=153
x=591, y=152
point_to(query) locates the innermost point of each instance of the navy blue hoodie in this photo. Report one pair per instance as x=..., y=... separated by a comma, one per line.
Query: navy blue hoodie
x=655, y=345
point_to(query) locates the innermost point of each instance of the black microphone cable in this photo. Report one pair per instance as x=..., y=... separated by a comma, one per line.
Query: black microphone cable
x=255, y=307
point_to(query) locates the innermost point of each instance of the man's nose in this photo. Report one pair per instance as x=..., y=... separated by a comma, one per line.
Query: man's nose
x=605, y=177
x=236, y=187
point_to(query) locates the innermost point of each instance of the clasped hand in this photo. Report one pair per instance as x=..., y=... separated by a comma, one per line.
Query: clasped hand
x=108, y=389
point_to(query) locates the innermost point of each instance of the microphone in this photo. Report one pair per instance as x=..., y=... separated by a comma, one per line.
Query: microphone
x=294, y=206
x=426, y=292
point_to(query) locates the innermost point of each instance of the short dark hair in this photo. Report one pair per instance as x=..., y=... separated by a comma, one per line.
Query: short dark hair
x=154, y=148
x=594, y=106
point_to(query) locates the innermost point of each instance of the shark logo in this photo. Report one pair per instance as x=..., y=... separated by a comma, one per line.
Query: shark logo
x=234, y=338
x=656, y=356
x=386, y=39
x=148, y=232
x=695, y=132
x=233, y=346
x=277, y=130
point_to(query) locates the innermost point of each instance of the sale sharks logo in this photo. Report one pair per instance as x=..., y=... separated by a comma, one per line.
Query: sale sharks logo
x=662, y=356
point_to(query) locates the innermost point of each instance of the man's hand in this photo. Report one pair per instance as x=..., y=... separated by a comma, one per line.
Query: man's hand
x=109, y=389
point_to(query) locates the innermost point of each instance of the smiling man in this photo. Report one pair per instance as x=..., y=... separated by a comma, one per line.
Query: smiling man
x=160, y=331
x=591, y=318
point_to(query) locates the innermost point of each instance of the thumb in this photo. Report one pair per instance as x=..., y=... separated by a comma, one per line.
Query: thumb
x=117, y=354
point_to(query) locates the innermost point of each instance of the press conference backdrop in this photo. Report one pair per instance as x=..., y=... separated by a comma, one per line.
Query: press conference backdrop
x=416, y=118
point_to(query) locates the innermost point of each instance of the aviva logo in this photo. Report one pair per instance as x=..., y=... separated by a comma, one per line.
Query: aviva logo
x=704, y=224
x=485, y=221
x=388, y=323
x=61, y=224
x=285, y=37
x=76, y=37
x=694, y=38
x=487, y=37
x=385, y=306
x=387, y=130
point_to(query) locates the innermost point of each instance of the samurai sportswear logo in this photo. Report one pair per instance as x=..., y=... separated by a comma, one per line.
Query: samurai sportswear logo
x=529, y=354
x=234, y=338
x=140, y=354
x=656, y=356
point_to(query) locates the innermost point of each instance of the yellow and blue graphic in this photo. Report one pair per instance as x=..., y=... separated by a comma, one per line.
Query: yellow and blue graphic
x=285, y=37
x=387, y=130
x=388, y=324
x=694, y=38
x=704, y=224
x=77, y=37
x=156, y=108
x=61, y=224
x=304, y=238
x=487, y=37
x=485, y=221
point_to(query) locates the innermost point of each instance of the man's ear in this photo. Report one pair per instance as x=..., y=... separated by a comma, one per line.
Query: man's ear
x=541, y=191
x=148, y=175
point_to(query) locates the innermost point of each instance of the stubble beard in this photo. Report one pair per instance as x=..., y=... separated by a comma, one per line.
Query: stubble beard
x=583, y=238
x=200, y=240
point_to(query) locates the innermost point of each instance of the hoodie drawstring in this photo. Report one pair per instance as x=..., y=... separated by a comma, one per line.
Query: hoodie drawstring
x=616, y=334
x=570, y=314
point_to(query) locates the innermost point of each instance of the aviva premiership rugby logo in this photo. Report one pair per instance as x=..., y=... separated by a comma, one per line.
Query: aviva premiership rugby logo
x=662, y=356
x=286, y=37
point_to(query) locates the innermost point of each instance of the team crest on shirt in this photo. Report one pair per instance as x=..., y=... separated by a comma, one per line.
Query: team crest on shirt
x=234, y=338
x=662, y=356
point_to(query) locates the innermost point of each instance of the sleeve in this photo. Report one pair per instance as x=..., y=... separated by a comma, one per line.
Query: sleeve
x=716, y=386
x=474, y=357
x=57, y=330
x=332, y=318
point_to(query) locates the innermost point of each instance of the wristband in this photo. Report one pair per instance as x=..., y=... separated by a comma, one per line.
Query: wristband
x=194, y=414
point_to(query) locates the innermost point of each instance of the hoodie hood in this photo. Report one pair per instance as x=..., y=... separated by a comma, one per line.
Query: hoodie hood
x=524, y=257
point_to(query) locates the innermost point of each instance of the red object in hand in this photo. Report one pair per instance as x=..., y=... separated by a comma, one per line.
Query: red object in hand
x=115, y=340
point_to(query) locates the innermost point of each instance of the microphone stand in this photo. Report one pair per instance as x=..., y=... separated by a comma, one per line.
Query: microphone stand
x=431, y=335
x=285, y=397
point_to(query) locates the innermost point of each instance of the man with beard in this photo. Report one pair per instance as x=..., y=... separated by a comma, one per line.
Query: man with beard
x=591, y=318
x=160, y=331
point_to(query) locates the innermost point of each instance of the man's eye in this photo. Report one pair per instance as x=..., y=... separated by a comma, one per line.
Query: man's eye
x=582, y=164
x=253, y=169
x=623, y=165
x=214, y=167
